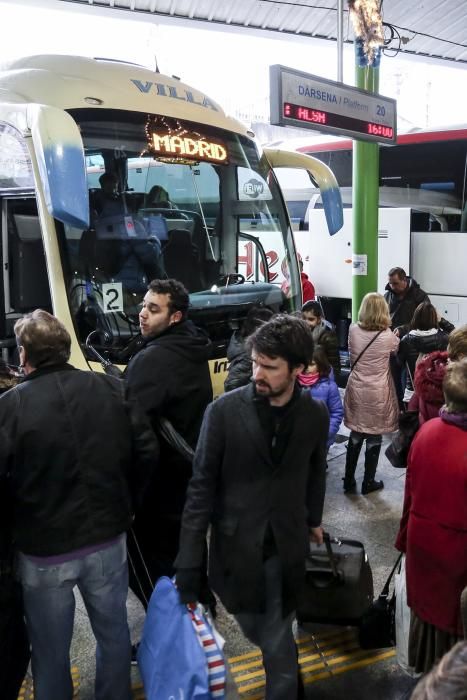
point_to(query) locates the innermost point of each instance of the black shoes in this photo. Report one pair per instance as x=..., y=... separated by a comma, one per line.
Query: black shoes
x=350, y=485
x=371, y=485
x=134, y=652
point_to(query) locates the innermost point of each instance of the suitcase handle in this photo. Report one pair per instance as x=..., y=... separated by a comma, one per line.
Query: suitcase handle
x=332, y=561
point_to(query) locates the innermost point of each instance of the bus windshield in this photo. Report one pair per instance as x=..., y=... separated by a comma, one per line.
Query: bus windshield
x=174, y=199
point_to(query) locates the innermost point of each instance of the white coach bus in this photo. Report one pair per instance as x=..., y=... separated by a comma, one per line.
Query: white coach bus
x=112, y=174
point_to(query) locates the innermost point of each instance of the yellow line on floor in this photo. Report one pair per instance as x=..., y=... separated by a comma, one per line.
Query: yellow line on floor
x=368, y=661
x=27, y=688
x=300, y=642
x=335, y=672
x=349, y=646
x=355, y=662
x=326, y=648
x=353, y=654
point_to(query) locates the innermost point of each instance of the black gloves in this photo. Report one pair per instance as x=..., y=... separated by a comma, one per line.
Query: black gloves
x=188, y=582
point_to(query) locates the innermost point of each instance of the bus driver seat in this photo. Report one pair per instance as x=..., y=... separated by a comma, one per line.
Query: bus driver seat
x=181, y=260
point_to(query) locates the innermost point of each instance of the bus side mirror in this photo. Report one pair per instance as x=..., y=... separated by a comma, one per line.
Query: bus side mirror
x=60, y=159
x=321, y=174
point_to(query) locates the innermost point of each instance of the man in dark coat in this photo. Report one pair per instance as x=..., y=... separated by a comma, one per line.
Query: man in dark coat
x=75, y=451
x=403, y=294
x=170, y=378
x=323, y=334
x=259, y=480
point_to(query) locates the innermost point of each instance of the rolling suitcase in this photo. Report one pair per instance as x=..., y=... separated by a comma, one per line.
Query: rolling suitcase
x=338, y=583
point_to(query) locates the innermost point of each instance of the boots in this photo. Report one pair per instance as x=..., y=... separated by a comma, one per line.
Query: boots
x=353, y=452
x=371, y=462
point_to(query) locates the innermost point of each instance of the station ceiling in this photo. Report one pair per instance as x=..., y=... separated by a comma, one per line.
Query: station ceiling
x=425, y=28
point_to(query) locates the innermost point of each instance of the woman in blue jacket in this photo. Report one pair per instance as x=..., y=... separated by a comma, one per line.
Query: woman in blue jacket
x=319, y=379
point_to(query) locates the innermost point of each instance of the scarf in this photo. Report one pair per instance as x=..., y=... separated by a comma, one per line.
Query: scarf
x=457, y=419
x=308, y=379
x=423, y=334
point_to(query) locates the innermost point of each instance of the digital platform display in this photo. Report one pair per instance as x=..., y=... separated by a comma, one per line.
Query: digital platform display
x=308, y=101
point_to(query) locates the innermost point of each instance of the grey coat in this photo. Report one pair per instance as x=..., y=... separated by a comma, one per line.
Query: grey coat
x=237, y=488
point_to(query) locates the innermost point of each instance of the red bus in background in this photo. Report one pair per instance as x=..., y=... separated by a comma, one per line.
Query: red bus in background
x=425, y=171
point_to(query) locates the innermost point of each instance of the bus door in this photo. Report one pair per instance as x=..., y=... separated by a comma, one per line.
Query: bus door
x=25, y=284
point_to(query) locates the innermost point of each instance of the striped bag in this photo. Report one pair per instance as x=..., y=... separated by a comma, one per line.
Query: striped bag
x=177, y=656
x=212, y=650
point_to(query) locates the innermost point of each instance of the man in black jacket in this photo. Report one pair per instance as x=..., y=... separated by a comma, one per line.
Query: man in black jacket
x=403, y=294
x=259, y=480
x=170, y=378
x=77, y=454
x=323, y=334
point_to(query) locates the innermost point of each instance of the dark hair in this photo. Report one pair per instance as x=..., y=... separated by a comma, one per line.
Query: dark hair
x=179, y=299
x=108, y=177
x=424, y=318
x=447, y=680
x=44, y=338
x=321, y=361
x=254, y=318
x=455, y=386
x=286, y=337
x=159, y=197
x=314, y=307
x=398, y=271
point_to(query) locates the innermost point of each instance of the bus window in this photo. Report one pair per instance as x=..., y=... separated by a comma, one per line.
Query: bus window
x=192, y=231
x=262, y=247
x=15, y=163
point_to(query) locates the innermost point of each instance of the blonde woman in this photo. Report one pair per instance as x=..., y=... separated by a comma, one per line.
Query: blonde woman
x=370, y=401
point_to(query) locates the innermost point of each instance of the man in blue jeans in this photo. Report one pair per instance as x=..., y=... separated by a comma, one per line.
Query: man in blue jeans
x=77, y=454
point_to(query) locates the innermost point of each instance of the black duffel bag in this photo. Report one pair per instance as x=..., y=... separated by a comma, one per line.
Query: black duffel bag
x=339, y=583
x=377, y=627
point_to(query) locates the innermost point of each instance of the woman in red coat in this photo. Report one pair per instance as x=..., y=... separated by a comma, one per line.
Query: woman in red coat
x=433, y=529
x=429, y=374
x=428, y=396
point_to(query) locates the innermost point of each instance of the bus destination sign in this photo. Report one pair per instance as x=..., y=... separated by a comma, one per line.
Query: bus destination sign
x=310, y=102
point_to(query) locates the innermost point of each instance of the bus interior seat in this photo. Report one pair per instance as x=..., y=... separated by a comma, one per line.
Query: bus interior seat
x=131, y=259
x=181, y=260
x=29, y=283
x=134, y=201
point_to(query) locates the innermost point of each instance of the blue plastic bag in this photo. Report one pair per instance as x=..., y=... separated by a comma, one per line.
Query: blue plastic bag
x=171, y=659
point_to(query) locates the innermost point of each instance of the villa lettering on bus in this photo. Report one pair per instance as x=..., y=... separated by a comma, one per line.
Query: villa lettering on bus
x=171, y=91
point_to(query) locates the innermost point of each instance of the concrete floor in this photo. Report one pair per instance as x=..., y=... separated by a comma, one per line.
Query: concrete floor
x=337, y=669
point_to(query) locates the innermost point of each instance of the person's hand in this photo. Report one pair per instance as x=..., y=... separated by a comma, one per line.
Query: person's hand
x=188, y=582
x=396, y=332
x=317, y=535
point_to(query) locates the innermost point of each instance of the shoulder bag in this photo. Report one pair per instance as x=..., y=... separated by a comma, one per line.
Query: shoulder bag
x=397, y=451
x=365, y=349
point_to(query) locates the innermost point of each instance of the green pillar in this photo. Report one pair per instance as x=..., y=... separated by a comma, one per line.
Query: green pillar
x=365, y=193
